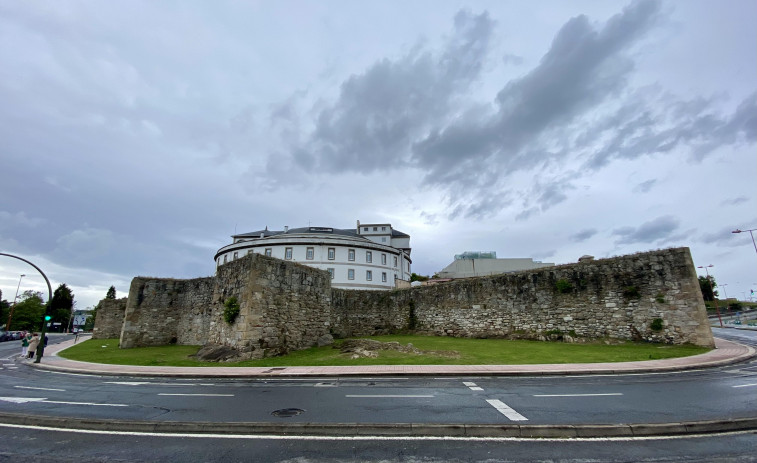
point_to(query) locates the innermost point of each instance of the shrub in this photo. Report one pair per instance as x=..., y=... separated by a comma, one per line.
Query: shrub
x=656, y=324
x=230, y=310
x=660, y=298
x=563, y=286
x=631, y=292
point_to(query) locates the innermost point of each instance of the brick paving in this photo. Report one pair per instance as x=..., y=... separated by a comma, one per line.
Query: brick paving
x=726, y=352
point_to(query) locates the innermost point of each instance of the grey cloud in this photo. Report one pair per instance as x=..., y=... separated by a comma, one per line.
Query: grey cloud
x=583, y=235
x=656, y=230
x=644, y=187
x=734, y=201
x=724, y=237
x=380, y=112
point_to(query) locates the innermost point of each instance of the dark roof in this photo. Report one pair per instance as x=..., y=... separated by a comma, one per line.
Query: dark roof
x=314, y=230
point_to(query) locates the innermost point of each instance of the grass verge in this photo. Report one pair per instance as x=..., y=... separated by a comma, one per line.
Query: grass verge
x=472, y=352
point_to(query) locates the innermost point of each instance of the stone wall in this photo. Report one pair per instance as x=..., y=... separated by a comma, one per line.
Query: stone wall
x=615, y=298
x=286, y=306
x=109, y=319
x=164, y=311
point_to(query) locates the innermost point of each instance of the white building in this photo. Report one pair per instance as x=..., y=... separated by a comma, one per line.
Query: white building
x=370, y=256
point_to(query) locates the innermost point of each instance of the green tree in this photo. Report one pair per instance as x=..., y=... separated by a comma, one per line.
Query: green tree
x=89, y=323
x=61, y=306
x=416, y=277
x=4, y=310
x=27, y=314
x=707, y=286
x=111, y=293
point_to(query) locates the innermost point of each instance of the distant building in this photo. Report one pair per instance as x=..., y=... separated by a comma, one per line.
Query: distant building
x=369, y=256
x=480, y=263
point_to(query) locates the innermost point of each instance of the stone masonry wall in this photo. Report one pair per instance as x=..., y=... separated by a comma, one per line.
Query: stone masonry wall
x=286, y=306
x=164, y=311
x=610, y=298
x=109, y=319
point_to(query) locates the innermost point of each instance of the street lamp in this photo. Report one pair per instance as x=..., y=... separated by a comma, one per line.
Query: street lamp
x=750, y=233
x=717, y=309
x=10, y=315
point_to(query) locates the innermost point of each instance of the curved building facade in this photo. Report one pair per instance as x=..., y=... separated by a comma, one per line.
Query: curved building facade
x=369, y=256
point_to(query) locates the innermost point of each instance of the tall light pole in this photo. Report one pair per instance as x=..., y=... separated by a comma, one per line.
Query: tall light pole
x=717, y=309
x=10, y=315
x=750, y=234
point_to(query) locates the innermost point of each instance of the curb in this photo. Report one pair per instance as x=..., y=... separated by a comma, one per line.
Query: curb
x=388, y=429
x=266, y=372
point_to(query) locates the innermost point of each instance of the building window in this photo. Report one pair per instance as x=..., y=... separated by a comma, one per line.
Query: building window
x=383, y=277
x=383, y=239
x=368, y=275
x=383, y=259
x=350, y=274
x=395, y=261
x=365, y=229
x=332, y=253
x=383, y=228
x=224, y=258
x=368, y=256
x=288, y=253
x=375, y=228
x=331, y=272
x=236, y=254
x=268, y=252
x=350, y=254
x=309, y=254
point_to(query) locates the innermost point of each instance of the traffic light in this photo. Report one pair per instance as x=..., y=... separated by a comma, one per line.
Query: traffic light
x=47, y=318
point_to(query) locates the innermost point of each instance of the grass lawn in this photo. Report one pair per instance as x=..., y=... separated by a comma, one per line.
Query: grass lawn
x=472, y=352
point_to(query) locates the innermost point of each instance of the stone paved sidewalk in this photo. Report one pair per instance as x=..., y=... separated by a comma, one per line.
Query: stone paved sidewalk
x=726, y=352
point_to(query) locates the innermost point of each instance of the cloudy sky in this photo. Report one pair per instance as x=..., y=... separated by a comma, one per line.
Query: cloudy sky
x=136, y=137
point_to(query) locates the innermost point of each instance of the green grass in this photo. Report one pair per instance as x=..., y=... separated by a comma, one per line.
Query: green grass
x=472, y=352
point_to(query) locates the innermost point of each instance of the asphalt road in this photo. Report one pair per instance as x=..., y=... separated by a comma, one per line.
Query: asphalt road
x=720, y=393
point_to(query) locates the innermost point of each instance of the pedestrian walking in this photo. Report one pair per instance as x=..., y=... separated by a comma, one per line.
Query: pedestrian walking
x=33, y=345
x=25, y=338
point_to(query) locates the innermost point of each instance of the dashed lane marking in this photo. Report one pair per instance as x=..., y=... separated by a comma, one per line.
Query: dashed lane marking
x=201, y=395
x=579, y=395
x=746, y=385
x=40, y=388
x=388, y=396
x=501, y=407
x=473, y=386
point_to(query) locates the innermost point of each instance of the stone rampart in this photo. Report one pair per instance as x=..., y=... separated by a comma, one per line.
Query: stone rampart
x=109, y=319
x=617, y=298
x=286, y=306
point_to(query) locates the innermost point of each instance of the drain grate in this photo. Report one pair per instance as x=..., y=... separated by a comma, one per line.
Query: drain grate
x=287, y=412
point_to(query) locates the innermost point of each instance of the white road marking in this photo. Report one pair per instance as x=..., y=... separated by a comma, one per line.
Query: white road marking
x=505, y=410
x=201, y=395
x=23, y=400
x=371, y=438
x=389, y=396
x=83, y=403
x=324, y=385
x=128, y=383
x=746, y=385
x=577, y=395
x=473, y=386
x=40, y=388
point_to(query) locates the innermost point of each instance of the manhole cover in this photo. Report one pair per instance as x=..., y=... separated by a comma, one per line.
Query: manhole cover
x=287, y=412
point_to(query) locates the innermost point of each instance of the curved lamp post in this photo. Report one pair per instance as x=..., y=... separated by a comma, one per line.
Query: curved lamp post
x=13, y=307
x=750, y=233
x=41, y=345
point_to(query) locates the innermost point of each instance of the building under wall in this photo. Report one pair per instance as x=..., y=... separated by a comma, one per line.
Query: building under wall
x=478, y=263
